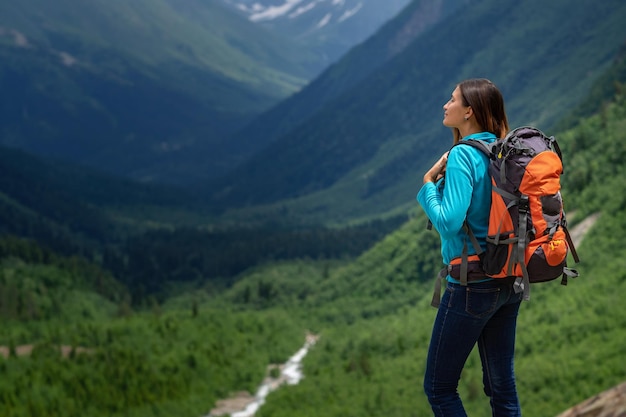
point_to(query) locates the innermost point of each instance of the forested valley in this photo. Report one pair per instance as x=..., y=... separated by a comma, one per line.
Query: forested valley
x=178, y=355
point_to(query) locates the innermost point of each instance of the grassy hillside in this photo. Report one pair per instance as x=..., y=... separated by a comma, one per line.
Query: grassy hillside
x=360, y=154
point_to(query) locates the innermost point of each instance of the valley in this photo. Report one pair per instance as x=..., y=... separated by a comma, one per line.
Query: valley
x=184, y=191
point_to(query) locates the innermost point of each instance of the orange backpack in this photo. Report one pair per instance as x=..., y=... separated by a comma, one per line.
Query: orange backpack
x=527, y=236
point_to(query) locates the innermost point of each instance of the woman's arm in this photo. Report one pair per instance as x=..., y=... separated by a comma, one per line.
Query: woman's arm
x=447, y=210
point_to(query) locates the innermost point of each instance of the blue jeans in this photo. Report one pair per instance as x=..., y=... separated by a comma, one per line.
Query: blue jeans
x=483, y=312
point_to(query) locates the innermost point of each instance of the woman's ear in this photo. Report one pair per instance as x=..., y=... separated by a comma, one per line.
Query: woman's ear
x=469, y=113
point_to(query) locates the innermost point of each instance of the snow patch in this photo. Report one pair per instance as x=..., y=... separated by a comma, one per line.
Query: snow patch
x=302, y=10
x=349, y=13
x=273, y=12
x=325, y=20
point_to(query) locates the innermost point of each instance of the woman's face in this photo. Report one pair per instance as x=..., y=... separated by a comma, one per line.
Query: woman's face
x=454, y=110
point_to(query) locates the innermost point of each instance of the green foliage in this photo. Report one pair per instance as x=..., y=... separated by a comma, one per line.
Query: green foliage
x=132, y=366
x=595, y=150
x=38, y=285
x=385, y=277
x=287, y=284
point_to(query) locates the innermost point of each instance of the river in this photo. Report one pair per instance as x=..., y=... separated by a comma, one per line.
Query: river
x=245, y=405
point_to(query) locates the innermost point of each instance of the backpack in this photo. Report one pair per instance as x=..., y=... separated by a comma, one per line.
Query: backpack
x=527, y=235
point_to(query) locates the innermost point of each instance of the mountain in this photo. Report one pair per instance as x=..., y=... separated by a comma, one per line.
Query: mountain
x=330, y=26
x=340, y=78
x=142, y=89
x=360, y=154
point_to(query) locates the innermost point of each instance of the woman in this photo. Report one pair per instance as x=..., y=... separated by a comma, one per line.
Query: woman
x=484, y=311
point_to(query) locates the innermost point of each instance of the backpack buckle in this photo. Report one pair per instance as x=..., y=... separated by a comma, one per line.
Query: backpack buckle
x=523, y=205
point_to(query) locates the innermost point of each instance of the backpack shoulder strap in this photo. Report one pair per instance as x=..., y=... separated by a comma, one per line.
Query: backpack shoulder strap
x=485, y=147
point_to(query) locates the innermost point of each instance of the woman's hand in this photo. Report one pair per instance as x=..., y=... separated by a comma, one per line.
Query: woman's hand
x=438, y=170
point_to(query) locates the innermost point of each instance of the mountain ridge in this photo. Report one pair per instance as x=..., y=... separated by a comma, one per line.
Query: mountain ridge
x=401, y=102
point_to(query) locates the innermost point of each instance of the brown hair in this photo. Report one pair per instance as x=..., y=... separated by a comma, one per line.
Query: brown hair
x=488, y=106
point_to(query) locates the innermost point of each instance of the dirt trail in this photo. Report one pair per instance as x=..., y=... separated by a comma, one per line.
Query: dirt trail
x=25, y=350
x=580, y=230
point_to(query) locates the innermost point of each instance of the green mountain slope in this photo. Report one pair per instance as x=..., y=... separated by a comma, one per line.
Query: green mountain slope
x=418, y=17
x=375, y=318
x=361, y=153
x=142, y=89
x=191, y=32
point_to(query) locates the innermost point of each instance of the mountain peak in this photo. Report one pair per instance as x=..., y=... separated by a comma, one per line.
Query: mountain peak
x=332, y=26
